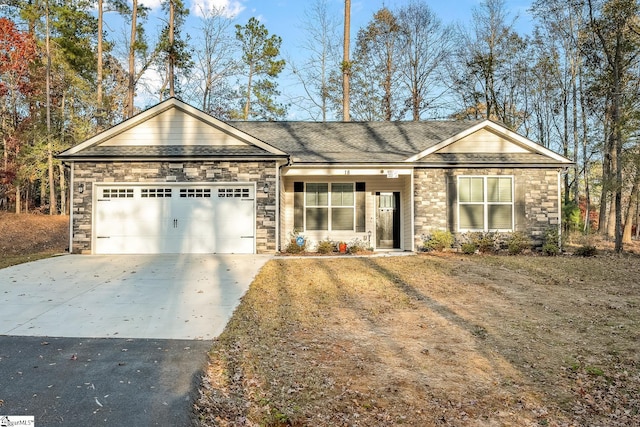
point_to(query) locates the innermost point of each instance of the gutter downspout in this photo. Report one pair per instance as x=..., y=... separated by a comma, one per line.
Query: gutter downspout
x=560, y=207
x=279, y=166
x=71, y=206
x=412, y=211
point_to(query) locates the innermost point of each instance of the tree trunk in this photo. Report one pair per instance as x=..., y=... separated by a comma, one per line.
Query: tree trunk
x=132, y=60
x=617, y=147
x=52, y=187
x=100, y=112
x=18, y=199
x=346, y=64
x=387, y=89
x=63, y=190
x=637, y=217
x=628, y=224
x=172, y=53
x=576, y=139
x=247, y=105
x=606, y=178
x=611, y=217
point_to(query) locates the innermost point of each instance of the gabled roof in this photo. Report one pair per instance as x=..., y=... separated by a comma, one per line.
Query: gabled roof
x=175, y=130
x=171, y=129
x=504, y=145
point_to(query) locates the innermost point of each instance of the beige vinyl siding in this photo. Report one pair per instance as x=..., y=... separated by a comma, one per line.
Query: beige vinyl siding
x=173, y=127
x=483, y=141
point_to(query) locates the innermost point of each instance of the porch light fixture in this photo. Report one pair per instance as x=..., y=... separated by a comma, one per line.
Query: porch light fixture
x=81, y=188
x=266, y=188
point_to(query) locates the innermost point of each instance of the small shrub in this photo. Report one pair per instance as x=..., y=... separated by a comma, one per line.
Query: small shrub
x=438, y=241
x=326, y=246
x=469, y=248
x=486, y=242
x=549, y=249
x=293, y=247
x=571, y=216
x=586, y=251
x=551, y=243
x=517, y=243
x=356, y=246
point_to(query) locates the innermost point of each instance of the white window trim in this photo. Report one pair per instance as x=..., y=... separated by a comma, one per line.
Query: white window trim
x=485, y=203
x=329, y=206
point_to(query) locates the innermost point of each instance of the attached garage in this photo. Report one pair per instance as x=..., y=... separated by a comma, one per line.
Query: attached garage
x=174, y=180
x=198, y=218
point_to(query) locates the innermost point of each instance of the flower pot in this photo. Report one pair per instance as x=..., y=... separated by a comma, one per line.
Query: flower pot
x=342, y=247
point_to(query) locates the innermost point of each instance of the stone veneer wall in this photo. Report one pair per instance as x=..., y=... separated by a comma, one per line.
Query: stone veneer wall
x=262, y=173
x=536, y=190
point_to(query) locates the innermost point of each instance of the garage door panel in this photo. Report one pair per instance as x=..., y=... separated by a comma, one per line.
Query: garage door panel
x=181, y=219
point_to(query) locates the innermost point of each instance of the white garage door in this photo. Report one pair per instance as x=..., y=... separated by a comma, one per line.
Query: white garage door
x=148, y=219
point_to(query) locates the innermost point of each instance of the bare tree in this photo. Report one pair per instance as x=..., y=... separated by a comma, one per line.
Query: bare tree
x=428, y=43
x=215, y=63
x=346, y=63
x=314, y=72
x=490, y=66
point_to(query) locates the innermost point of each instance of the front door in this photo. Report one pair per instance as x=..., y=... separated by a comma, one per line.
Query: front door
x=388, y=220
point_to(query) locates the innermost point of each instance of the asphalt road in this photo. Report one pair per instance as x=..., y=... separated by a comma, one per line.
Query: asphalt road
x=94, y=382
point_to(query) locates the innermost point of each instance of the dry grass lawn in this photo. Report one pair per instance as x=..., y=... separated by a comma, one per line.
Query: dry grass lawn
x=28, y=237
x=431, y=340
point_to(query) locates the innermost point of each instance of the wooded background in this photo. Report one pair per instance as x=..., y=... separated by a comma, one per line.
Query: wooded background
x=571, y=85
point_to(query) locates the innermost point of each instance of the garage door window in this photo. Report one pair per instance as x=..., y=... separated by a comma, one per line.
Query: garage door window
x=234, y=192
x=117, y=193
x=195, y=192
x=155, y=192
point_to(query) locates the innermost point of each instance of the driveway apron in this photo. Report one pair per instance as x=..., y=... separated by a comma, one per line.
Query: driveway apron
x=125, y=296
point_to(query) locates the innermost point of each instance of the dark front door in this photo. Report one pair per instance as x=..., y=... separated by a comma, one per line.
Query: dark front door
x=388, y=220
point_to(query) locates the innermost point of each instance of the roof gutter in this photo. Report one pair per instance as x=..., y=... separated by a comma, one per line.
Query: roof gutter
x=166, y=159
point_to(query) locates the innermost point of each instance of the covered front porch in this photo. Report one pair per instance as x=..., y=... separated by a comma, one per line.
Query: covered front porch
x=370, y=206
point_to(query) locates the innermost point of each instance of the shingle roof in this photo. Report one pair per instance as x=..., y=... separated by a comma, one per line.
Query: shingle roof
x=329, y=142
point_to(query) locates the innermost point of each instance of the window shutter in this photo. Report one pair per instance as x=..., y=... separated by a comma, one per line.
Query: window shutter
x=519, y=205
x=298, y=206
x=361, y=202
x=452, y=201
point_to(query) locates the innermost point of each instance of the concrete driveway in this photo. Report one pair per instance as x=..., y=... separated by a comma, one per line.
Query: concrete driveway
x=113, y=340
x=125, y=296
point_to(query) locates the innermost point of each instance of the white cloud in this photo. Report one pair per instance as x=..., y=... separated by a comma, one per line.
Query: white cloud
x=151, y=4
x=229, y=8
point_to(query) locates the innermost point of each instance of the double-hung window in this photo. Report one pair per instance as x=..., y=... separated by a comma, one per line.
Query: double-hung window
x=329, y=206
x=485, y=203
